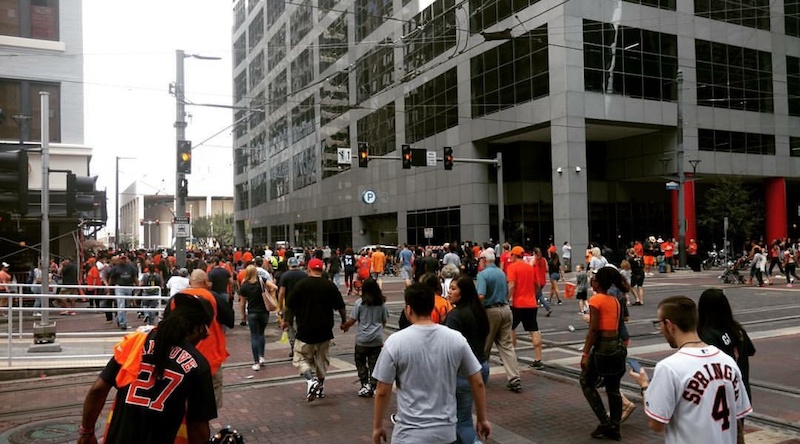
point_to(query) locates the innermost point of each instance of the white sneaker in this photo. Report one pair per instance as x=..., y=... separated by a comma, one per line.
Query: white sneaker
x=261, y=360
x=256, y=367
x=311, y=391
x=365, y=391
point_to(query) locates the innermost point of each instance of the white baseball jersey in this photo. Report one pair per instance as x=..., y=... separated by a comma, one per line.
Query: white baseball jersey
x=699, y=394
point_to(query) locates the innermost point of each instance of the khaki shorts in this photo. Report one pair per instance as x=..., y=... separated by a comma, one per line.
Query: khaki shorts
x=311, y=357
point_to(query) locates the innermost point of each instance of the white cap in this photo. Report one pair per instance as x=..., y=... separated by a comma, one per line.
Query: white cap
x=5, y=264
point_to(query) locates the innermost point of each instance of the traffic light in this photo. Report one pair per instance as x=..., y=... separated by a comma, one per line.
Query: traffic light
x=363, y=154
x=14, y=182
x=183, y=188
x=448, y=158
x=80, y=194
x=185, y=156
x=406, y=150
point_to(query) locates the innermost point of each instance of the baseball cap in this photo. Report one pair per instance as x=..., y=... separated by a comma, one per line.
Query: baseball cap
x=315, y=264
x=6, y=264
x=518, y=251
x=292, y=262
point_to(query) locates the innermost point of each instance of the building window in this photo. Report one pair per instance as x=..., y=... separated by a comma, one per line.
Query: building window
x=279, y=180
x=240, y=126
x=304, y=168
x=792, y=17
x=258, y=149
x=302, y=70
x=277, y=91
x=432, y=107
x=238, y=14
x=242, y=196
x=256, y=69
x=793, y=84
x=276, y=50
x=663, y=4
x=301, y=22
x=22, y=97
x=512, y=73
x=428, y=34
x=326, y=6
x=240, y=160
x=333, y=43
x=256, y=30
x=303, y=119
x=375, y=71
x=333, y=139
x=733, y=77
x=33, y=19
x=274, y=10
x=446, y=224
x=278, y=136
x=751, y=13
x=251, y=4
x=370, y=14
x=644, y=64
x=794, y=146
x=258, y=189
x=334, y=98
x=735, y=142
x=377, y=129
x=258, y=103
x=485, y=13
x=239, y=50
x=240, y=86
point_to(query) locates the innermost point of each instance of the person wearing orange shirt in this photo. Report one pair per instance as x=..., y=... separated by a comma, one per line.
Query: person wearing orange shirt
x=247, y=256
x=522, y=296
x=378, y=265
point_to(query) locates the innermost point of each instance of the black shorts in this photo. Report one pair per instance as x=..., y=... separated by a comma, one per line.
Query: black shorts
x=637, y=280
x=582, y=295
x=525, y=315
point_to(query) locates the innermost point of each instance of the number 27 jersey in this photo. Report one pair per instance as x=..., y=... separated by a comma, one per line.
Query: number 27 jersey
x=699, y=394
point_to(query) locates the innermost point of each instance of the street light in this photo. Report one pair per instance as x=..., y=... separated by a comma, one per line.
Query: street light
x=180, y=135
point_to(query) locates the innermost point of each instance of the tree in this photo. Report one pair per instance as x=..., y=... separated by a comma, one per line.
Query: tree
x=732, y=199
x=216, y=230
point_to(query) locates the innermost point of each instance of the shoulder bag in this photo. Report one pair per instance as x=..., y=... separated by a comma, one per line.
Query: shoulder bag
x=269, y=300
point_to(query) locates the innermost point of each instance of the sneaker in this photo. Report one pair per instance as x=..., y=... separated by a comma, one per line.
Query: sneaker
x=560, y=303
x=393, y=418
x=73, y=313
x=39, y=315
x=321, y=391
x=788, y=285
x=515, y=385
x=311, y=391
x=537, y=365
x=607, y=431
x=549, y=312
x=123, y=327
x=146, y=320
x=256, y=367
x=261, y=360
x=243, y=323
x=64, y=313
x=365, y=391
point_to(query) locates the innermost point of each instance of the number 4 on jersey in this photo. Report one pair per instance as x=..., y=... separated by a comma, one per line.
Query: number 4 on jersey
x=720, y=410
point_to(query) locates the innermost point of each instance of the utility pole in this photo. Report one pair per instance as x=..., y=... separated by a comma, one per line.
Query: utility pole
x=681, y=176
x=180, y=134
x=116, y=208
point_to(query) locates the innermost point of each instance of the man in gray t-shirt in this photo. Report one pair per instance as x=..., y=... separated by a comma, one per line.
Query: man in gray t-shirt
x=424, y=360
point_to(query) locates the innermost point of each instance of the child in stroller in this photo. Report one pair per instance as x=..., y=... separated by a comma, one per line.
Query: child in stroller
x=731, y=274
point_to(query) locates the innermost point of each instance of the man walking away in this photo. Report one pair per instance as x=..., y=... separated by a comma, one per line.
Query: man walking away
x=311, y=303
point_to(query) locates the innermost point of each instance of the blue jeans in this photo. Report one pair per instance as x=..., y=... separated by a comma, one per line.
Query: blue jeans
x=465, y=429
x=541, y=300
x=122, y=315
x=257, y=321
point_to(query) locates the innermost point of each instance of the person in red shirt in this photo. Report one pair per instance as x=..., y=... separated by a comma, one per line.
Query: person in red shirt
x=668, y=248
x=505, y=256
x=522, y=297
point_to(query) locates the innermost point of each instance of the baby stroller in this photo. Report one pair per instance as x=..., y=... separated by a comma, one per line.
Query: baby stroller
x=731, y=274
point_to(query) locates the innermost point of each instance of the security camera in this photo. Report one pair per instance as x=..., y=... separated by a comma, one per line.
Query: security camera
x=577, y=169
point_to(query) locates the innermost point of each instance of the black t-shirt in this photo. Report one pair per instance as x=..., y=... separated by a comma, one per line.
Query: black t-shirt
x=312, y=303
x=253, y=294
x=124, y=274
x=335, y=264
x=349, y=263
x=151, y=409
x=419, y=267
x=739, y=347
x=69, y=274
x=289, y=279
x=463, y=320
x=219, y=278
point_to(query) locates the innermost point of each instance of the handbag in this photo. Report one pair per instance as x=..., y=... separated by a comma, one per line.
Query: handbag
x=269, y=300
x=609, y=355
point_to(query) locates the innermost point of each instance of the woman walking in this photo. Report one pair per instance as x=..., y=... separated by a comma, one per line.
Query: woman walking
x=470, y=319
x=252, y=290
x=371, y=314
x=604, y=341
x=555, y=274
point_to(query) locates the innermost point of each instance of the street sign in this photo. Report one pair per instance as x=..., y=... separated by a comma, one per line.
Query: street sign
x=182, y=230
x=672, y=185
x=428, y=233
x=343, y=156
x=431, y=156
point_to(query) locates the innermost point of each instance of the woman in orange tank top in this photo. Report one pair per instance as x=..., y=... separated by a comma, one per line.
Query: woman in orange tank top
x=605, y=313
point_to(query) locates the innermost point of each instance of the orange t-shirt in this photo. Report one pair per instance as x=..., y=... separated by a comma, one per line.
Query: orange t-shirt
x=608, y=309
x=524, y=279
x=638, y=249
x=247, y=257
x=378, y=262
x=441, y=307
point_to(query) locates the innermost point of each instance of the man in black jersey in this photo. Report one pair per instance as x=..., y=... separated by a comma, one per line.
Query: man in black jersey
x=160, y=378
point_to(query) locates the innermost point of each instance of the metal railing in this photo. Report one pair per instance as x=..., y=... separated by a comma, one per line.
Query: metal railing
x=18, y=296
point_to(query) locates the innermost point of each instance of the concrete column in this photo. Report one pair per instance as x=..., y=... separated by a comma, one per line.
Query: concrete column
x=568, y=133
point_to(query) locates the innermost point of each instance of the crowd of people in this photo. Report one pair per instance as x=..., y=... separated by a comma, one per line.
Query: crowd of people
x=460, y=300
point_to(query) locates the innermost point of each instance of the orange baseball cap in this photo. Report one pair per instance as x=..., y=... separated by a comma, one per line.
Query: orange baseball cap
x=518, y=251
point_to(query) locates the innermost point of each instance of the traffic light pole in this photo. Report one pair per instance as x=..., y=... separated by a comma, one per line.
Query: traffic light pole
x=180, y=134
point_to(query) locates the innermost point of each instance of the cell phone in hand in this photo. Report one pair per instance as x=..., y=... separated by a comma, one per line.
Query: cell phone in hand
x=635, y=366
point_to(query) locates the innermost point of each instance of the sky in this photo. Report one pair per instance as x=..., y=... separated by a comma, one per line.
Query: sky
x=129, y=63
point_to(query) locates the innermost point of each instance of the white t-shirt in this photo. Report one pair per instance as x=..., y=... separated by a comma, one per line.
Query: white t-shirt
x=423, y=360
x=176, y=284
x=699, y=394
